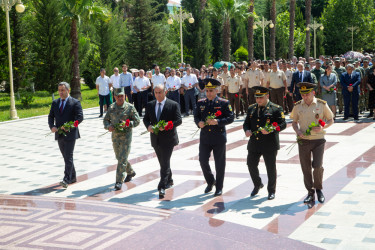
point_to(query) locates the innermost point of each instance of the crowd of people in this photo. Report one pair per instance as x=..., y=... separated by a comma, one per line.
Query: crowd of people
x=346, y=84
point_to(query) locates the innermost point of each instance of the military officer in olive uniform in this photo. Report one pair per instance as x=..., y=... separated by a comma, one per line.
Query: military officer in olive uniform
x=119, y=112
x=263, y=142
x=213, y=136
x=311, y=109
x=318, y=72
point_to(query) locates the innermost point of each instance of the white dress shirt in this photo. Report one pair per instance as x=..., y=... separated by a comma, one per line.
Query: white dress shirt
x=161, y=107
x=103, y=83
x=141, y=82
x=173, y=82
x=189, y=80
x=115, y=80
x=158, y=79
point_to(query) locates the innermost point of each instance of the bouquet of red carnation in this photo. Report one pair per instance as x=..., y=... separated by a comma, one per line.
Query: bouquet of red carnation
x=269, y=127
x=307, y=132
x=119, y=127
x=65, y=128
x=213, y=116
x=160, y=125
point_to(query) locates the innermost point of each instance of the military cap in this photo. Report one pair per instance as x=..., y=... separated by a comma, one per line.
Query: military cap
x=210, y=83
x=306, y=87
x=119, y=91
x=365, y=60
x=260, y=91
x=317, y=61
x=350, y=61
x=307, y=65
x=337, y=59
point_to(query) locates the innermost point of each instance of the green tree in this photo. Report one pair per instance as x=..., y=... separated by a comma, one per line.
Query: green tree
x=292, y=12
x=250, y=30
x=48, y=40
x=228, y=10
x=74, y=11
x=341, y=14
x=273, y=31
x=308, y=21
x=147, y=43
x=197, y=35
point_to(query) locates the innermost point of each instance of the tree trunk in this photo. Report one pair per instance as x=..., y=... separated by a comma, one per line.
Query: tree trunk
x=291, y=28
x=308, y=20
x=75, y=84
x=226, y=39
x=273, y=30
x=250, y=31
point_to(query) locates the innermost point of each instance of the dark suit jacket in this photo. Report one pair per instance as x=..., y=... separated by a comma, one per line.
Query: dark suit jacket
x=260, y=142
x=295, y=79
x=72, y=112
x=171, y=112
x=346, y=80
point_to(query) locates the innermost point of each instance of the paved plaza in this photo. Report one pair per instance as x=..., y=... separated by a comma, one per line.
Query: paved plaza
x=35, y=212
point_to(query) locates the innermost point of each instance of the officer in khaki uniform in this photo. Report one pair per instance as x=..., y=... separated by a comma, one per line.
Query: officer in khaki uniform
x=255, y=78
x=277, y=85
x=339, y=70
x=224, y=76
x=263, y=143
x=119, y=112
x=311, y=109
x=233, y=86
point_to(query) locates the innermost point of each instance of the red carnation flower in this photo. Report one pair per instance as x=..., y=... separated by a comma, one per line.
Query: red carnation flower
x=365, y=90
x=350, y=84
x=127, y=123
x=76, y=124
x=236, y=95
x=322, y=123
x=284, y=96
x=274, y=124
x=169, y=126
x=218, y=113
x=334, y=89
x=278, y=128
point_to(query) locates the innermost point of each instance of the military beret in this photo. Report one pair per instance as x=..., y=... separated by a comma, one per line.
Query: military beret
x=306, y=87
x=260, y=91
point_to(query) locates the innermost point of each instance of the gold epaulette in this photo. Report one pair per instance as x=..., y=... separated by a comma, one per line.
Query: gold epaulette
x=299, y=102
x=321, y=101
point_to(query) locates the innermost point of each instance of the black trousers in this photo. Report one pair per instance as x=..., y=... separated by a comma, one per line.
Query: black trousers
x=142, y=98
x=128, y=92
x=269, y=157
x=67, y=148
x=164, y=156
x=219, y=156
x=101, y=102
x=174, y=95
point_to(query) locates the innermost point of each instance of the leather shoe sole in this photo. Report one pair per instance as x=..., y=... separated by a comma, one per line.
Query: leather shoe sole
x=256, y=190
x=129, y=177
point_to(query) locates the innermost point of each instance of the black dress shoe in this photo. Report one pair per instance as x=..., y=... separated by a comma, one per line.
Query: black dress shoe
x=161, y=193
x=118, y=186
x=345, y=118
x=309, y=198
x=218, y=192
x=73, y=181
x=169, y=185
x=64, y=184
x=320, y=195
x=209, y=187
x=271, y=196
x=256, y=189
x=101, y=115
x=129, y=177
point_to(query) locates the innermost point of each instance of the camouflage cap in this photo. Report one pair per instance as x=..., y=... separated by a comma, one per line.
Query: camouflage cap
x=119, y=91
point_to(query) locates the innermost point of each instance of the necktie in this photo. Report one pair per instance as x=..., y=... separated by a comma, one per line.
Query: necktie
x=159, y=112
x=62, y=105
x=300, y=77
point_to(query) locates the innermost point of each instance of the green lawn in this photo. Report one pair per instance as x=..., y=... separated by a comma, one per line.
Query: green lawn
x=42, y=103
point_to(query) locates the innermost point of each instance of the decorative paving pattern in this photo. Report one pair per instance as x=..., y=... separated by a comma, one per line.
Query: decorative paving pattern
x=90, y=214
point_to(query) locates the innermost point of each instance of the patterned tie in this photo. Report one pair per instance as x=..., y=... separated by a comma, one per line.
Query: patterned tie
x=159, y=112
x=62, y=105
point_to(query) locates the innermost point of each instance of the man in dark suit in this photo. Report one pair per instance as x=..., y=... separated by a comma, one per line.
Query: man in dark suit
x=163, y=109
x=263, y=142
x=213, y=135
x=66, y=109
x=350, y=82
x=299, y=75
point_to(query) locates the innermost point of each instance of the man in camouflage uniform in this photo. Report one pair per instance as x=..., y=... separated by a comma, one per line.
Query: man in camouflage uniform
x=118, y=113
x=318, y=72
x=339, y=70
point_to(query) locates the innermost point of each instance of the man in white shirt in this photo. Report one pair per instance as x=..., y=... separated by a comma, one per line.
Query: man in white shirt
x=141, y=85
x=103, y=86
x=115, y=78
x=173, y=86
x=158, y=78
x=188, y=82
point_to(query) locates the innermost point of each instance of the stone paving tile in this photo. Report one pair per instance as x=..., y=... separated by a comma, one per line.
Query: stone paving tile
x=331, y=241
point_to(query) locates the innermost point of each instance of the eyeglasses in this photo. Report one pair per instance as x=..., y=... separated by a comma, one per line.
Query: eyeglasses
x=115, y=71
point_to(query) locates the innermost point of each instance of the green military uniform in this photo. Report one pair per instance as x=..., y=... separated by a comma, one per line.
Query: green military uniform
x=121, y=140
x=318, y=73
x=339, y=71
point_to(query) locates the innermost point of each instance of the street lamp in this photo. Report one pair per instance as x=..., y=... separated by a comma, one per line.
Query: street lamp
x=314, y=26
x=6, y=5
x=352, y=29
x=263, y=24
x=181, y=17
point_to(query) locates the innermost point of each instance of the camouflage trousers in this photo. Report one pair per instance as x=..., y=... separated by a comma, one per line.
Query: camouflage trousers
x=121, y=146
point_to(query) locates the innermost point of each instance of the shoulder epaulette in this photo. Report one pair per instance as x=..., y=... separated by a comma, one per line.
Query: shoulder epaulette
x=201, y=100
x=299, y=102
x=321, y=101
x=222, y=99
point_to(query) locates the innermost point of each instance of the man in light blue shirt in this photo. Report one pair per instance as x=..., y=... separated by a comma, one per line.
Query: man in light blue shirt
x=126, y=81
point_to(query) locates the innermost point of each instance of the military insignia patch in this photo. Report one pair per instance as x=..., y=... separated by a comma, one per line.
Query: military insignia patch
x=282, y=115
x=230, y=108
